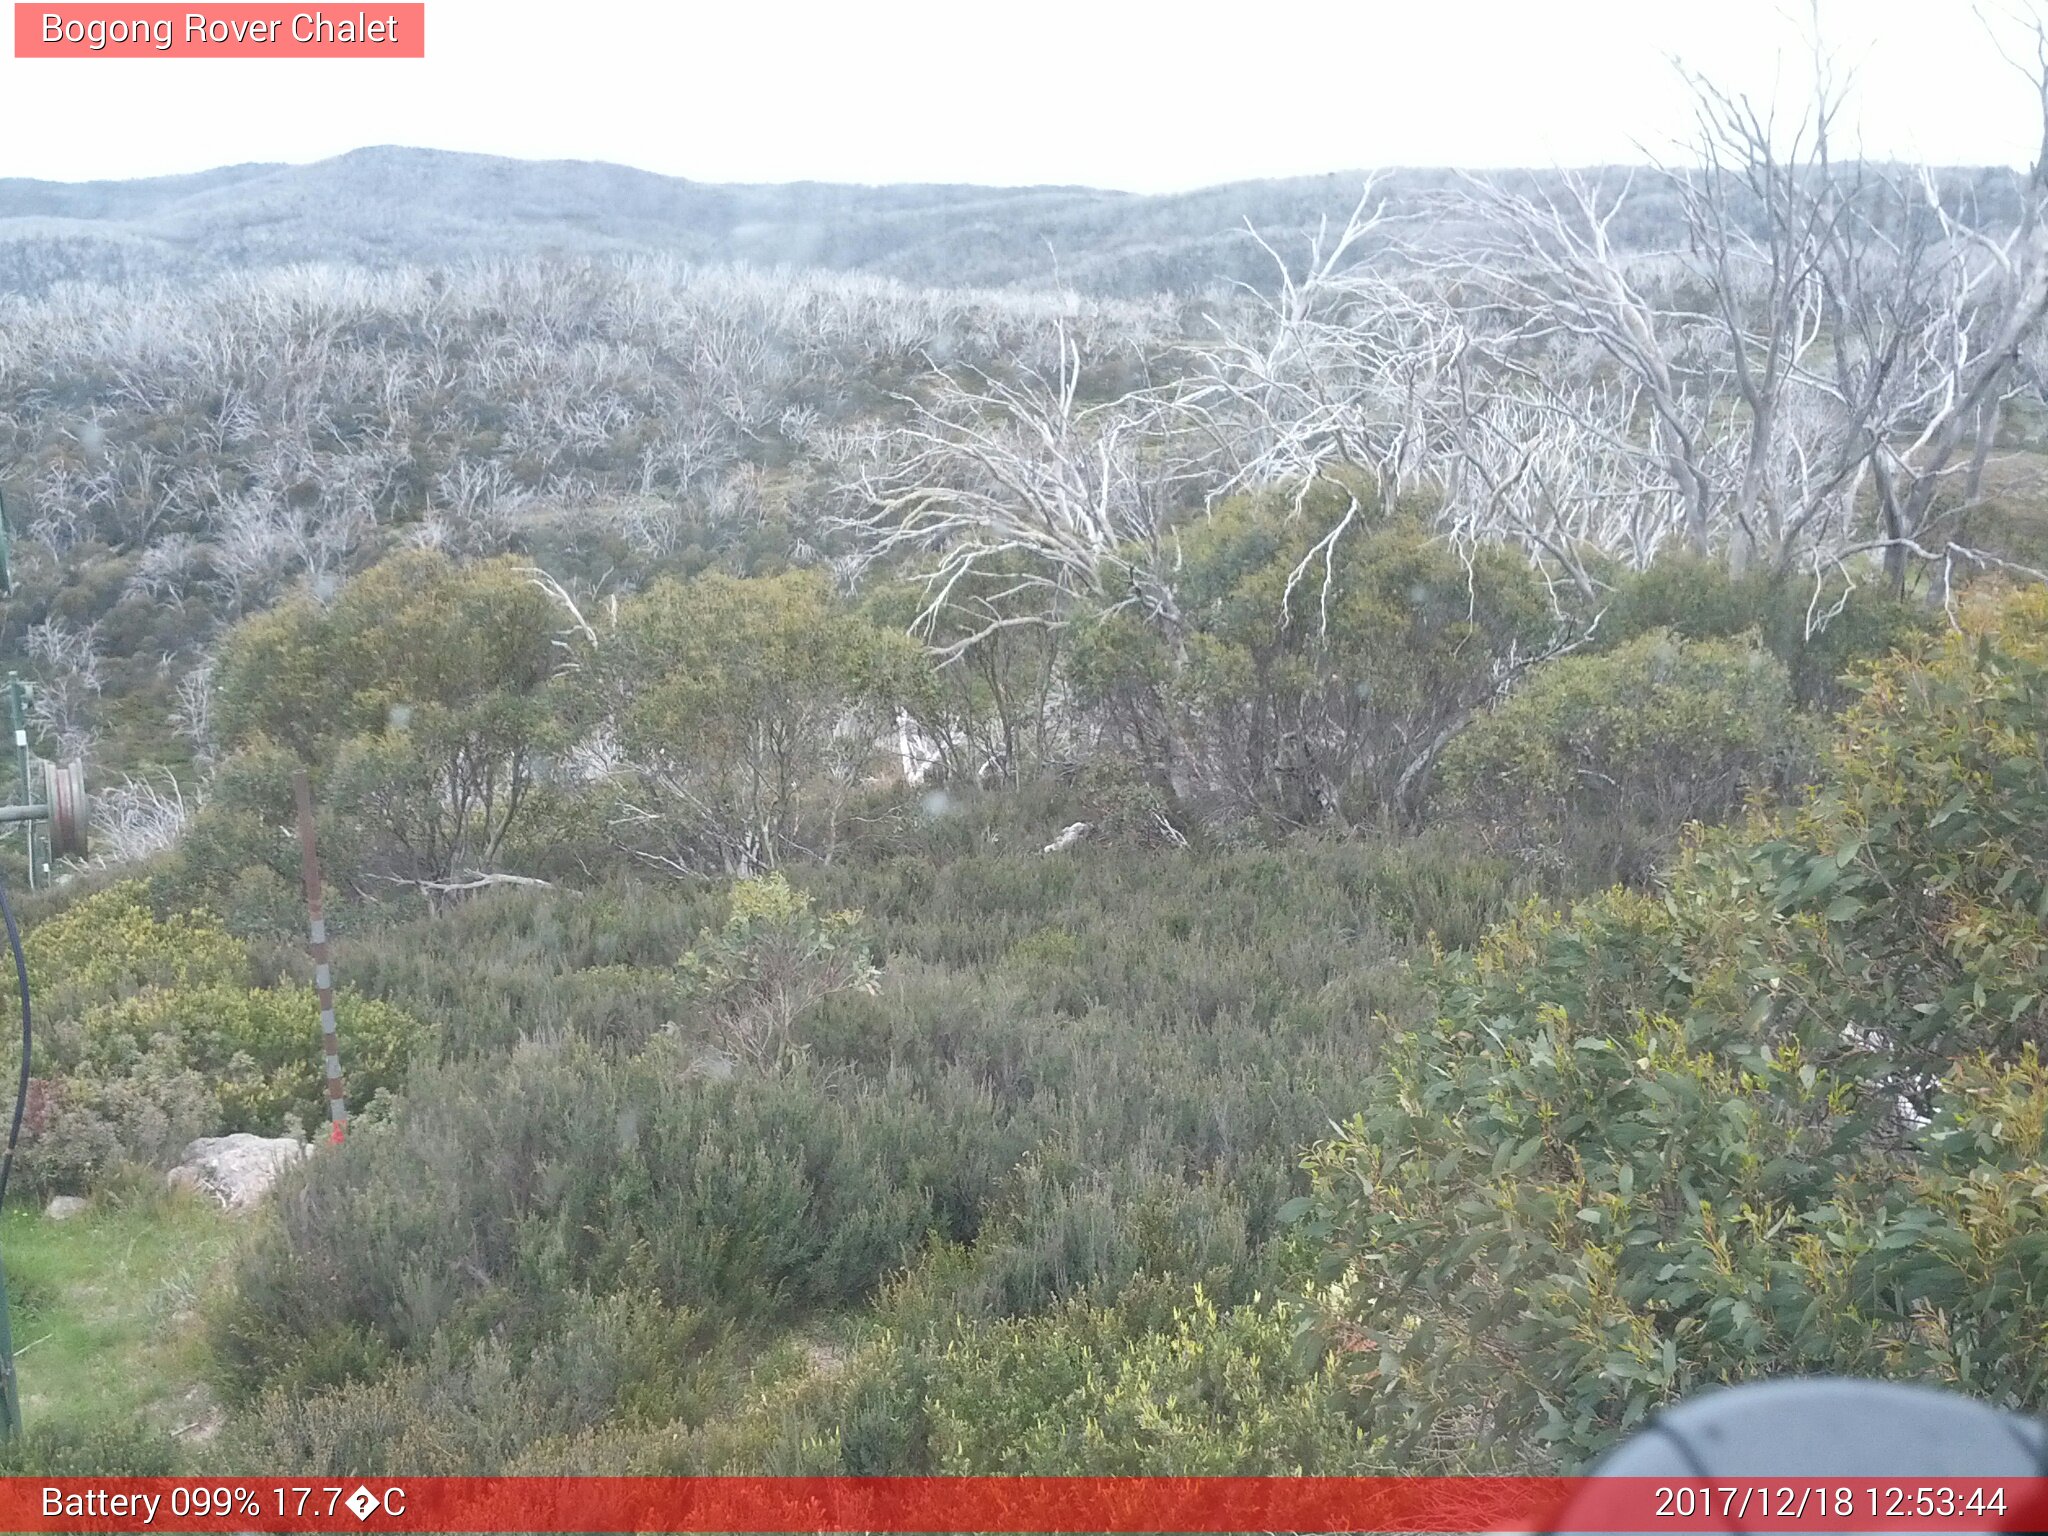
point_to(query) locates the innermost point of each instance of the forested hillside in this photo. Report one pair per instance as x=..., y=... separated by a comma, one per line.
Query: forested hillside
x=937, y=866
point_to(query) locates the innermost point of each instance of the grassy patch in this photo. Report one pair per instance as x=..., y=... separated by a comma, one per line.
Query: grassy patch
x=104, y=1310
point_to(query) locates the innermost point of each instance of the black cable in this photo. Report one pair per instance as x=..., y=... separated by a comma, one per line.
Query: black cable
x=27, y=1039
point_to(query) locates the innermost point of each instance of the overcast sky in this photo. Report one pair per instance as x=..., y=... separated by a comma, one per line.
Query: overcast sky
x=1116, y=93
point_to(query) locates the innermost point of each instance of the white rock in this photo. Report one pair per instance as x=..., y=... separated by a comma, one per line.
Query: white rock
x=237, y=1170
x=64, y=1207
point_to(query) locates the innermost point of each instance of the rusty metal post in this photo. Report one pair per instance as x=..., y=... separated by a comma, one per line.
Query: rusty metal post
x=323, y=978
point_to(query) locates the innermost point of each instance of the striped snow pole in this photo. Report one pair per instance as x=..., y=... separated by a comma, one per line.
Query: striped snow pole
x=323, y=978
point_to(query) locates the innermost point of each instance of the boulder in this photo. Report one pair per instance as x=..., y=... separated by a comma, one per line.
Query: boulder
x=64, y=1207
x=237, y=1170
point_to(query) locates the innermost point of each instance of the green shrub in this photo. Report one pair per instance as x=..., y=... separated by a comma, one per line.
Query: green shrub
x=421, y=697
x=112, y=945
x=1082, y=1083
x=101, y=1450
x=150, y=1035
x=1924, y=854
x=1083, y=1390
x=1821, y=648
x=750, y=709
x=1052, y=1240
x=496, y=1190
x=521, y=964
x=417, y=632
x=617, y=1363
x=90, y=1124
x=1787, y=1115
x=259, y=903
x=1081, y=1393
x=775, y=960
x=1658, y=731
x=232, y=842
x=259, y=1050
x=1306, y=686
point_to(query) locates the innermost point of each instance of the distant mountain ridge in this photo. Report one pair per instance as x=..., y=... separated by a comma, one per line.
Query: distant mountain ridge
x=389, y=205
x=384, y=205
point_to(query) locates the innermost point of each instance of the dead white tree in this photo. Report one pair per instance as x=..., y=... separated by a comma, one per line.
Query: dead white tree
x=1550, y=258
x=1020, y=495
x=193, y=715
x=1340, y=366
x=1933, y=321
x=1832, y=332
x=1515, y=469
x=63, y=703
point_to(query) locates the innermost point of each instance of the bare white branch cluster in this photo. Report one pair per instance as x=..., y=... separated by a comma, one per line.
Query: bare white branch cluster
x=63, y=700
x=1003, y=496
x=137, y=818
x=1816, y=369
x=243, y=432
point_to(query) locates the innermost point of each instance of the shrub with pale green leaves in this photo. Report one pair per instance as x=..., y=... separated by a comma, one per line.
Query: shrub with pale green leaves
x=1087, y=1390
x=776, y=959
x=258, y=1049
x=113, y=945
x=150, y=1034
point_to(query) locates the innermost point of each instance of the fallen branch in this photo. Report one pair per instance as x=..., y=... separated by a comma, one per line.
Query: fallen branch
x=474, y=883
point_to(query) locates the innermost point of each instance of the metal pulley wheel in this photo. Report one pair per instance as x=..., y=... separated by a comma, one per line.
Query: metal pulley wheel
x=70, y=810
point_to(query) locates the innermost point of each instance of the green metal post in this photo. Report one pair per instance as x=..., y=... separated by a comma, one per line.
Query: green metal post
x=10, y=1393
x=15, y=706
x=10, y=1396
x=16, y=715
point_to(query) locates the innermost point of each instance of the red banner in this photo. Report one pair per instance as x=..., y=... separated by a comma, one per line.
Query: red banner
x=224, y=31
x=1022, y=1504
